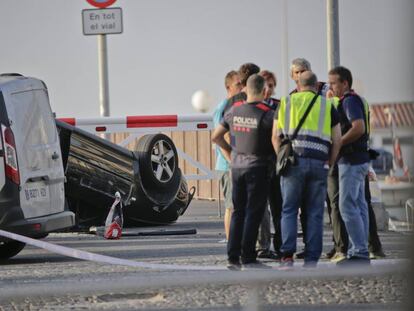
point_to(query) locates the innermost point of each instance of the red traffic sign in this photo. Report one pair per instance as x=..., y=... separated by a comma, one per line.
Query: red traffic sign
x=101, y=3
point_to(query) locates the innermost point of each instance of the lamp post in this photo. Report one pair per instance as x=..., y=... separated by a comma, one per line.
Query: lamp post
x=332, y=25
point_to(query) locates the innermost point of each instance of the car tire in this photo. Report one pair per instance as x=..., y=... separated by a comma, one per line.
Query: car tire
x=158, y=161
x=10, y=249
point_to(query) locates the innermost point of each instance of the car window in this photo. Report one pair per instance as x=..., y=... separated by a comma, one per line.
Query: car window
x=34, y=117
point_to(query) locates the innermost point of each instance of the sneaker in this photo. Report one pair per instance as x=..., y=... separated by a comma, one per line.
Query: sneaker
x=338, y=257
x=377, y=255
x=286, y=263
x=300, y=255
x=223, y=241
x=268, y=254
x=233, y=264
x=354, y=261
x=330, y=254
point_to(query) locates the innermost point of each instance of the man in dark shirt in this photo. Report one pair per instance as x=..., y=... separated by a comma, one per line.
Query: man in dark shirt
x=251, y=155
x=300, y=65
x=245, y=71
x=275, y=197
x=353, y=164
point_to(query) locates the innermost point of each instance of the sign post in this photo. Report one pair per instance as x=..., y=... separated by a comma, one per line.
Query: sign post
x=101, y=22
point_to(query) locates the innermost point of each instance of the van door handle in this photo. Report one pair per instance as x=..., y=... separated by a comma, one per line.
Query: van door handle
x=55, y=156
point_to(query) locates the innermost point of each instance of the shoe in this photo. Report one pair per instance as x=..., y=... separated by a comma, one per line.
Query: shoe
x=286, y=263
x=300, y=255
x=354, y=261
x=223, y=241
x=338, y=257
x=253, y=265
x=377, y=255
x=233, y=264
x=310, y=264
x=330, y=254
x=268, y=254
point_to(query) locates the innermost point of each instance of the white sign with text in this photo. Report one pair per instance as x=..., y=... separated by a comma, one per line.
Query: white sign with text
x=102, y=21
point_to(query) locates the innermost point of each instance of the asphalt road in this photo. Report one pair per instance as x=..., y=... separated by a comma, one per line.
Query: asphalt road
x=39, y=280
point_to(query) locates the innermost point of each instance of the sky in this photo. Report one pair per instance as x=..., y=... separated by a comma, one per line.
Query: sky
x=171, y=48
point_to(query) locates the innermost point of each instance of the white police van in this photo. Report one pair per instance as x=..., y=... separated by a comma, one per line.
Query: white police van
x=32, y=197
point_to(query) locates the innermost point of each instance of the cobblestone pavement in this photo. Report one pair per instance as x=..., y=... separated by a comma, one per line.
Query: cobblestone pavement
x=39, y=280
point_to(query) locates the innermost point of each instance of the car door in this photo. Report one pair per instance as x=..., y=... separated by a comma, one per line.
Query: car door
x=38, y=151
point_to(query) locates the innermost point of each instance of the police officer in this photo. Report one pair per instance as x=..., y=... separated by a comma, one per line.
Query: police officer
x=275, y=197
x=251, y=153
x=353, y=164
x=315, y=148
x=298, y=66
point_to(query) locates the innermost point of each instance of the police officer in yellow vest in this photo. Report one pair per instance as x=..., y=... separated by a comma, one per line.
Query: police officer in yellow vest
x=315, y=147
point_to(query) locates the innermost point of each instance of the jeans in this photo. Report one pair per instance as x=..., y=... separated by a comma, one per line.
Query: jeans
x=353, y=207
x=250, y=191
x=305, y=183
x=340, y=235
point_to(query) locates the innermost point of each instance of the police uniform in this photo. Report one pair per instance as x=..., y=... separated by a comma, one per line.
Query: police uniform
x=353, y=167
x=250, y=126
x=322, y=89
x=265, y=238
x=304, y=184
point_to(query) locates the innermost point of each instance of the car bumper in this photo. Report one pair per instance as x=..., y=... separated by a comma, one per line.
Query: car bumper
x=41, y=226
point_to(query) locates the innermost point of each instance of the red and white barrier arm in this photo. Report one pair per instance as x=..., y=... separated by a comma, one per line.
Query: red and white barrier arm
x=143, y=124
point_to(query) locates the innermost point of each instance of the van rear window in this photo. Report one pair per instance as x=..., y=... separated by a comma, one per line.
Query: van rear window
x=34, y=117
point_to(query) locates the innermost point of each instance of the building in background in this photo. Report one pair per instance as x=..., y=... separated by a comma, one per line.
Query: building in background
x=392, y=128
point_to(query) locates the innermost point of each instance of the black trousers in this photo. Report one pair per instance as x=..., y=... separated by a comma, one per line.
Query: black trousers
x=275, y=204
x=250, y=192
x=340, y=235
x=374, y=243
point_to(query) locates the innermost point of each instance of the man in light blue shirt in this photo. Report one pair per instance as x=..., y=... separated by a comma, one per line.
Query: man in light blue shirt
x=233, y=87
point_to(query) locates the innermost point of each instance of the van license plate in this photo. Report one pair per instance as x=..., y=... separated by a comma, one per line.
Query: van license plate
x=36, y=192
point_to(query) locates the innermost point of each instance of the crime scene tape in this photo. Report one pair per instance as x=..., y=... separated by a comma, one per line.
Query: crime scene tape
x=83, y=255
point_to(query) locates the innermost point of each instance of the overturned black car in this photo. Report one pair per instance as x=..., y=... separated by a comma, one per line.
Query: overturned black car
x=152, y=187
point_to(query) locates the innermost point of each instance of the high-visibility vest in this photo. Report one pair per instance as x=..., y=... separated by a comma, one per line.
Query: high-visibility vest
x=314, y=137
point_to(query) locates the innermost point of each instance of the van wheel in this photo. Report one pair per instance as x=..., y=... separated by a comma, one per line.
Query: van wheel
x=10, y=249
x=158, y=160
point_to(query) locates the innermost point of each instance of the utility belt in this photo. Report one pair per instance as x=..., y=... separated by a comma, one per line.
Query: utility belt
x=350, y=149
